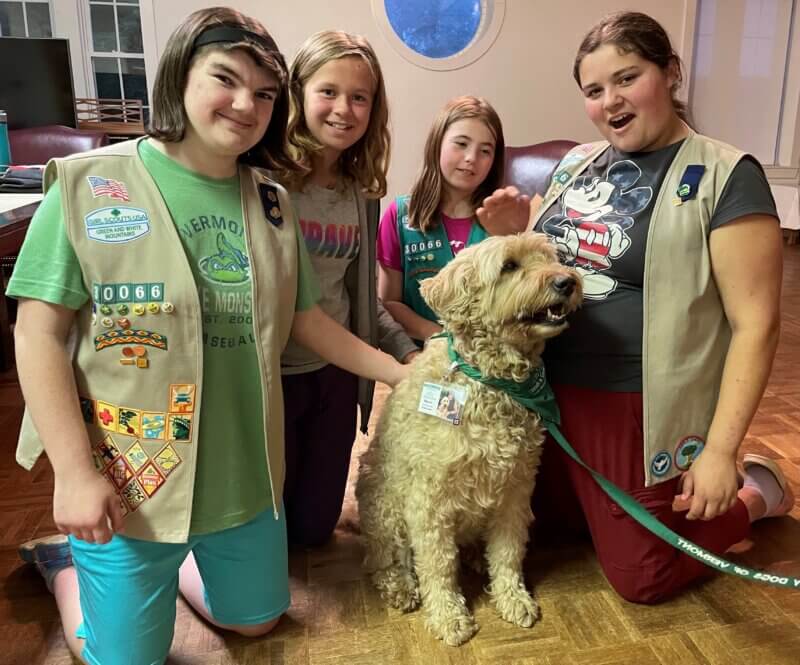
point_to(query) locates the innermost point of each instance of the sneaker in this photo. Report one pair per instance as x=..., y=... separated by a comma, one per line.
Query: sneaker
x=786, y=504
x=50, y=555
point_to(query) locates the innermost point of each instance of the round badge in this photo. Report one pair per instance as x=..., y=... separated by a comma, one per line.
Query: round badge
x=661, y=464
x=122, y=309
x=138, y=309
x=153, y=308
x=687, y=451
x=107, y=322
x=106, y=309
x=430, y=257
x=123, y=323
x=167, y=307
x=127, y=352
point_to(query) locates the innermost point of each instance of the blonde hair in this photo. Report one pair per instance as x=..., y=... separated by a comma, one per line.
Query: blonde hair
x=367, y=161
x=168, y=121
x=426, y=194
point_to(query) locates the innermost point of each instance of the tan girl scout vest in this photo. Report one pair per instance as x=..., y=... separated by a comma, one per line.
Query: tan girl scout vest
x=138, y=355
x=682, y=355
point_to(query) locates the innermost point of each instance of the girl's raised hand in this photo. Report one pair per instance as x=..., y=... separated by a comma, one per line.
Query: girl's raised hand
x=505, y=212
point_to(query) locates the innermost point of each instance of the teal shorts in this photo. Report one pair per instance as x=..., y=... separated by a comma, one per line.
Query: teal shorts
x=128, y=587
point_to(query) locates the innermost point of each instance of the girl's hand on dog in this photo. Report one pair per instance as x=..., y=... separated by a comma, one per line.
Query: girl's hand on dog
x=398, y=373
x=409, y=357
x=507, y=211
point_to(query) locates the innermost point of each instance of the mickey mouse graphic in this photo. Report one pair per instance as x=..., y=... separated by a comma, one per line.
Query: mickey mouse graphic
x=590, y=230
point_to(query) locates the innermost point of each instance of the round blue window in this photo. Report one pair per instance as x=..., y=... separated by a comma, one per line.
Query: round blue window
x=435, y=28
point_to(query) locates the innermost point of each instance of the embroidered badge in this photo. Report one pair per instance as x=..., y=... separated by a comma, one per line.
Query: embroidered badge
x=137, y=456
x=269, y=201
x=108, y=450
x=687, y=451
x=119, y=472
x=114, y=189
x=661, y=464
x=167, y=459
x=150, y=479
x=143, y=337
x=181, y=398
x=130, y=422
x=107, y=416
x=117, y=224
x=179, y=427
x=153, y=425
x=443, y=401
x=134, y=495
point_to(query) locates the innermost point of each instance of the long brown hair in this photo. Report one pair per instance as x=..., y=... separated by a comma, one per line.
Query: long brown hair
x=427, y=191
x=367, y=161
x=168, y=121
x=634, y=32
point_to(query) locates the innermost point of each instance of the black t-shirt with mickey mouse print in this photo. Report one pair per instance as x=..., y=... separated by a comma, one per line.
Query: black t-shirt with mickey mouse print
x=600, y=225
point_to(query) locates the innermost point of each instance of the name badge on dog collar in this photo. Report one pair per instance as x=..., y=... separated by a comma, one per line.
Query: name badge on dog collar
x=444, y=401
x=689, y=182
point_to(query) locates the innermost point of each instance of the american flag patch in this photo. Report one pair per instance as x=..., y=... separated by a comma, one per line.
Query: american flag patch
x=108, y=187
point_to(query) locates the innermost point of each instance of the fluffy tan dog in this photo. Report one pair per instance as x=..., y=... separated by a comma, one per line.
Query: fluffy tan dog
x=427, y=486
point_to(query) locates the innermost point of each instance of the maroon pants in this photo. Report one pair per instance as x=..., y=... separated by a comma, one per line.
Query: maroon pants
x=605, y=429
x=320, y=422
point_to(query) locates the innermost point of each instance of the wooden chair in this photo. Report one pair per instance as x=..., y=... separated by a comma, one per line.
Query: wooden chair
x=115, y=117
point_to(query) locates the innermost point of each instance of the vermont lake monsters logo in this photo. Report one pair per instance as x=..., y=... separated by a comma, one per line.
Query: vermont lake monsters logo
x=228, y=266
x=117, y=224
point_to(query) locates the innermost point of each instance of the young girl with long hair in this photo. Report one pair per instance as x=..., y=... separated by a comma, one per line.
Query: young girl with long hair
x=420, y=233
x=174, y=267
x=338, y=134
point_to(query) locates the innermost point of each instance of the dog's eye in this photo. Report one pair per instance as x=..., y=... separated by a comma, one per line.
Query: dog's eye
x=509, y=266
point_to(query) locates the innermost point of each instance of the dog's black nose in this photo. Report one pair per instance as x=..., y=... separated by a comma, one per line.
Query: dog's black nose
x=563, y=285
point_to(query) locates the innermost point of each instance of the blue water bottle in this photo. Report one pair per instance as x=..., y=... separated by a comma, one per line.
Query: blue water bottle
x=5, y=148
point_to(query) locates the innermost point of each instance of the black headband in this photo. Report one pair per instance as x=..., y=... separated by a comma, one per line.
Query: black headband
x=230, y=34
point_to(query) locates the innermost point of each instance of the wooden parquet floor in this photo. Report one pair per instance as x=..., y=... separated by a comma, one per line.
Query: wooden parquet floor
x=336, y=618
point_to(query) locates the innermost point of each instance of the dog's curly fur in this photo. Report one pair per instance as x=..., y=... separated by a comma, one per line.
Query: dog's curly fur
x=426, y=487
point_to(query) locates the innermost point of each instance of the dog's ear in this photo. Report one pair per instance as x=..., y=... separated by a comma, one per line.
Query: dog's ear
x=449, y=288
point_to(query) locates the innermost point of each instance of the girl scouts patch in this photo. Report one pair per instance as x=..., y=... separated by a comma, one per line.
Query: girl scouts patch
x=117, y=224
x=687, y=451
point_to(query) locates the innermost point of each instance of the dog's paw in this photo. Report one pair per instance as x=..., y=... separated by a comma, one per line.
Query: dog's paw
x=398, y=588
x=518, y=608
x=454, y=628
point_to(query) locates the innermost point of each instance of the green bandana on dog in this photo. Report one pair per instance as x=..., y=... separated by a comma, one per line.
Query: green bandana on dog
x=534, y=393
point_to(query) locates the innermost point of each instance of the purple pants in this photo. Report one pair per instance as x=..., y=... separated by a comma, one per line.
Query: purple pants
x=320, y=422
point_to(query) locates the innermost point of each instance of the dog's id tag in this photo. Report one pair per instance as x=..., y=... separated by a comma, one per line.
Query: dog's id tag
x=443, y=401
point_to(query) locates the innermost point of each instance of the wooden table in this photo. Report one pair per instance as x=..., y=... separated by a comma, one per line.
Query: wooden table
x=13, y=226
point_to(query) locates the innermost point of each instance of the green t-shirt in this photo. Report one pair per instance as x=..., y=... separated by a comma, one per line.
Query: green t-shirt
x=231, y=484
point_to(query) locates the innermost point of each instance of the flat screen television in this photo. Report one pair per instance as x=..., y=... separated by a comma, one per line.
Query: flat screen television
x=37, y=88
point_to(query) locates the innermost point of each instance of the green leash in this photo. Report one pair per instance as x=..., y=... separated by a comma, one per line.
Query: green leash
x=536, y=395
